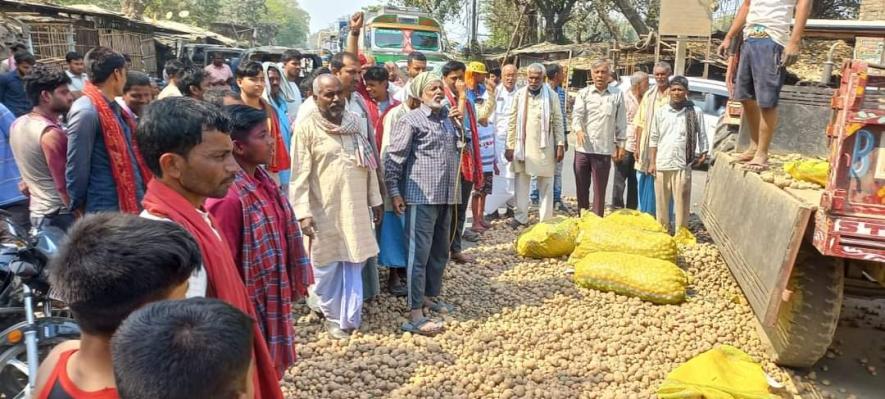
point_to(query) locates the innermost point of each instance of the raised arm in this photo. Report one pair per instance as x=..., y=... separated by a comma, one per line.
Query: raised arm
x=353, y=39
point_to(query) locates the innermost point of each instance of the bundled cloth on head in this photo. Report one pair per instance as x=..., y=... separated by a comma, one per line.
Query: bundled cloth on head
x=522, y=108
x=691, y=119
x=121, y=164
x=471, y=159
x=365, y=154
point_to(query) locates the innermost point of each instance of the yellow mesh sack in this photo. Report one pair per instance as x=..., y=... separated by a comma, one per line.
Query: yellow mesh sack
x=809, y=170
x=635, y=219
x=652, y=280
x=724, y=372
x=610, y=237
x=549, y=239
x=684, y=237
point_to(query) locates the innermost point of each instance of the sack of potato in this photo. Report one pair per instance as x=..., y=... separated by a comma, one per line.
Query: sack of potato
x=684, y=237
x=721, y=372
x=652, y=280
x=608, y=236
x=549, y=239
x=809, y=170
x=635, y=219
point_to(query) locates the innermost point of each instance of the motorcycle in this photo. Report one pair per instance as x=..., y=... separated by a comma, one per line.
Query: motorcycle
x=32, y=322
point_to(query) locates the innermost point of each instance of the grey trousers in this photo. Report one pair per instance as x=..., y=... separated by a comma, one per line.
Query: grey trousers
x=427, y=250
x=460, y=212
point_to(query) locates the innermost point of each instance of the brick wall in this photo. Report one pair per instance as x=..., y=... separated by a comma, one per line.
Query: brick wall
x=872, y=10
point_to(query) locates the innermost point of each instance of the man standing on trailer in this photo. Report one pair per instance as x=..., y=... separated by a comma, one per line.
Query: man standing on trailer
x=769, y=47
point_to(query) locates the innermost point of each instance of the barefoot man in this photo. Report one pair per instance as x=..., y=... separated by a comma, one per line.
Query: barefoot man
x=769, y=47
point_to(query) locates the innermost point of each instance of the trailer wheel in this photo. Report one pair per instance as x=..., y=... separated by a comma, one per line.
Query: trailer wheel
x=807, y=322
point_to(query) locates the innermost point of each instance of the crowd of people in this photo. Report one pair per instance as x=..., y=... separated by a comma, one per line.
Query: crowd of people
x=298, y=186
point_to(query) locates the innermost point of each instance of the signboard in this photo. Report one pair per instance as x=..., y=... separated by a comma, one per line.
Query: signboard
x=686, y=17
x=871, y=50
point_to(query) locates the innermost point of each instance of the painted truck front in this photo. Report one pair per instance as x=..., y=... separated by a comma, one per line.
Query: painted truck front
x=392, y=33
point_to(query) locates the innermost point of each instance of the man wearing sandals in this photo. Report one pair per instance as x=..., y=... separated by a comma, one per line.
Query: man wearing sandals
x=768, y=48
x=421, y=171
x=334, y=186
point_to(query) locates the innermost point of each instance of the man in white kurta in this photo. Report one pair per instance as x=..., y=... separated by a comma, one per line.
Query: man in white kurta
x=334, y=186
x=535, y=143
x=502, y=188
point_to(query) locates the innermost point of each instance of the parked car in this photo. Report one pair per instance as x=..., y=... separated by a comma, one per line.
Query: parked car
x=201, y=54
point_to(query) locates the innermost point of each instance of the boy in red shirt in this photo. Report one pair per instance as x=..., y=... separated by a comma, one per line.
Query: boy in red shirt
x=111, y=265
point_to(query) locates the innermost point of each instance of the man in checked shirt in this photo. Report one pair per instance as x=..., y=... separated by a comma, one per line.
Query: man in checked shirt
x=421, y=172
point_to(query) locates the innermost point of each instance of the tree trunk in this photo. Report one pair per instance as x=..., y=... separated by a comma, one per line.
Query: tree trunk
x=603, y=16
x=629, y=10
x=133, y=8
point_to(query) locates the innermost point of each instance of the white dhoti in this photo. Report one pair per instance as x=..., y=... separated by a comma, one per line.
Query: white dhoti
x=339, y=289
x=503, y=184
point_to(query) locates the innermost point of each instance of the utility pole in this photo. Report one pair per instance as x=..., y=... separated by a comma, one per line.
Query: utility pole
x=474, y=24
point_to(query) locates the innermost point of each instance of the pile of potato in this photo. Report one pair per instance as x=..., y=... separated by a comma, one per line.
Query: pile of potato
x=522, y=329
x=777, y=176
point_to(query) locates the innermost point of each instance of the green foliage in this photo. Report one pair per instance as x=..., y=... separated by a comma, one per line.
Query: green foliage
x=292, y=21
x=444, y=10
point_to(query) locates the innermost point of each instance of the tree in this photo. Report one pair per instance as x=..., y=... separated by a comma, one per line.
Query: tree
x=556, y=13
x=292, y=21
x=443, y=10
x=630, y=12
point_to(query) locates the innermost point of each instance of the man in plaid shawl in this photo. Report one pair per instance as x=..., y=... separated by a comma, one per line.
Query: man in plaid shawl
x=260, y=227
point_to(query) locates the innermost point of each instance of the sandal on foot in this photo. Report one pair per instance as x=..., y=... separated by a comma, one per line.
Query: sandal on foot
x=441, y=307
x=416, y=327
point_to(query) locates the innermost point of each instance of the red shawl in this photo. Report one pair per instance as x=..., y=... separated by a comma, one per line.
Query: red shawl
x=118, y=150
x=279, y=159
x=224, y=280
x=471, y=161
x=376, y=119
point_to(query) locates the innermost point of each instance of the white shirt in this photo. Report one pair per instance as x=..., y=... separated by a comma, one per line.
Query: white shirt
x=295, y=104
x=78, y=82
x=503, y=107
x=198, y=282
x=602, y=116
x=774, y=16
x=400, y=92
x=669, y=136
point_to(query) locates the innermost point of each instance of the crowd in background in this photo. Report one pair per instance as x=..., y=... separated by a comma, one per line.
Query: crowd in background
x=297, y=187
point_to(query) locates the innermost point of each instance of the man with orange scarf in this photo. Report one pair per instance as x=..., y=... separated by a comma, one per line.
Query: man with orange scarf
x=462, y=109
x=105, y=170
x=251, y=80
x=185, y=143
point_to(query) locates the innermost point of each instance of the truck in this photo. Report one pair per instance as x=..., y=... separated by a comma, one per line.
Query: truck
x=391, y=33
x=797, y=252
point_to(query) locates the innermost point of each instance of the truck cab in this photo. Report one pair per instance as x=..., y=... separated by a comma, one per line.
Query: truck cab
x=391, y=33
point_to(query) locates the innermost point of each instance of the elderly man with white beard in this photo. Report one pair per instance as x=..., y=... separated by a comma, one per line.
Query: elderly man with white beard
x=421, y=171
